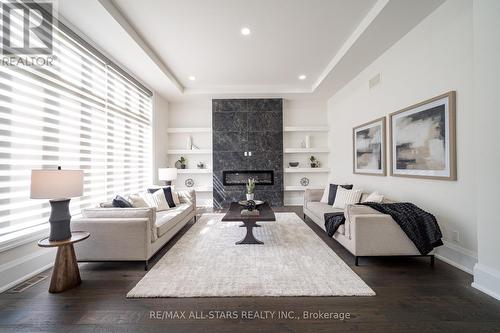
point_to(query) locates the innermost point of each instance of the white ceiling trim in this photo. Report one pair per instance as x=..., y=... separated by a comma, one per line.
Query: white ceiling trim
x=122, y=21
x=246, y=89
x=361, y=28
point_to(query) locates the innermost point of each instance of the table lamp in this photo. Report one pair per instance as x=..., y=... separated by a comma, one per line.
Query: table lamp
x=167, y=174
x=58, y=186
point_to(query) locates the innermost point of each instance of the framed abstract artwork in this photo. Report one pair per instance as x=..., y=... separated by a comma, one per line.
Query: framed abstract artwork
x=423, y=139
x=369, y=144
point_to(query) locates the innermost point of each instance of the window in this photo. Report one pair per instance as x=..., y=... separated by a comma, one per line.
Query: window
x=80, y=113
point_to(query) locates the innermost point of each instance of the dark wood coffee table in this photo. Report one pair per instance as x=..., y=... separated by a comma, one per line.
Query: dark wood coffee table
x=266, y=214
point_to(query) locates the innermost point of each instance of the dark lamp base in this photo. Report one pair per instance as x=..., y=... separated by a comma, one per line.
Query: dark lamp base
x=60, y=219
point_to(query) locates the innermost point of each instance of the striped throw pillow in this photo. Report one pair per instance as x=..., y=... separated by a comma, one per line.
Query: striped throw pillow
x=346, y=197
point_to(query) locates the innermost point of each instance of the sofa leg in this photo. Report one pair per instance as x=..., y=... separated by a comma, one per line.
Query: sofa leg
x=432, y=260
x=356, y=261
x=146, y=266
x=304, y=217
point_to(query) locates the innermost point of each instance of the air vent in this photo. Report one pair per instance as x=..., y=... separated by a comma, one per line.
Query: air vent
x=374, y=81
x=27, y=284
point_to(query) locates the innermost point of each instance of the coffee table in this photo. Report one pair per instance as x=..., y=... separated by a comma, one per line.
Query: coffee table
x=266, y=214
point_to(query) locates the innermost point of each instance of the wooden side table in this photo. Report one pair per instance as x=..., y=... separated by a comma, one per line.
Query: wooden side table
x=65, y=274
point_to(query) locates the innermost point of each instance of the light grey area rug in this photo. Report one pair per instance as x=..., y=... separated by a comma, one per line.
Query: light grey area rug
x=293, y=261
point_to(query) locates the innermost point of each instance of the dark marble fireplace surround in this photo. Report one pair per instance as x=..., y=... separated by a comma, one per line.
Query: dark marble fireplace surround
x=247, y=125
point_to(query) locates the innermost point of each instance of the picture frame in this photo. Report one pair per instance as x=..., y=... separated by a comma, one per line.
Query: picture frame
x=423, y=139
x=369, y=148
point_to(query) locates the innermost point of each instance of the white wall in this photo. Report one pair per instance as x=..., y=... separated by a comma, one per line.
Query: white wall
x=160, y=137
x=486, y=85
x=433, y=58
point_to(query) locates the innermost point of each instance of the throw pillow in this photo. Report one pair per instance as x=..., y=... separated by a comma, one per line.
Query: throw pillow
x=346, y=197
x=374, y=197
x=159, y=200
x=333, y=192
x=121, y=202
x=138, y=201
x=326, y=193
x=167, y=191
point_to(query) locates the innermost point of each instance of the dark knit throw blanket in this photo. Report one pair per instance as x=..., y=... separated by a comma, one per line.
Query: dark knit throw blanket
x=420, y=226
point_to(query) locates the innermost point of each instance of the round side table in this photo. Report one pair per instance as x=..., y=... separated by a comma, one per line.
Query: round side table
x=65, y=274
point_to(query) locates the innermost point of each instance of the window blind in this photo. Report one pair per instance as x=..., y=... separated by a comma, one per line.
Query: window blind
x=80, y=113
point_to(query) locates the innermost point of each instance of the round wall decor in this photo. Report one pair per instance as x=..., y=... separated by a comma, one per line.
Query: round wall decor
x=189, y=182
x=304, y=181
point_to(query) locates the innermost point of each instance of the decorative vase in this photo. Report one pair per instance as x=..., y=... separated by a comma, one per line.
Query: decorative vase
x=308, y=141
x=189, y=144
x=249, y=196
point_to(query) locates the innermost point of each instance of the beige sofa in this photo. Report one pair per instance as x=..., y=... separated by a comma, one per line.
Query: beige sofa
x=130, y=234
x=366, y=232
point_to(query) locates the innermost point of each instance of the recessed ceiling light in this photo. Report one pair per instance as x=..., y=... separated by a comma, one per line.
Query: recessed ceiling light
x=245, y=31
x=192, y=78
x=302, y=77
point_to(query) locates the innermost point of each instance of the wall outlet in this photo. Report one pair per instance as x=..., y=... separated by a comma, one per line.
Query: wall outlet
x=455, y=236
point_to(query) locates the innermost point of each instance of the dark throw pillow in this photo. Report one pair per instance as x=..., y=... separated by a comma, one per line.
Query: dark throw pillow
x=167, y=190
x=333, y=192
x=121, y=202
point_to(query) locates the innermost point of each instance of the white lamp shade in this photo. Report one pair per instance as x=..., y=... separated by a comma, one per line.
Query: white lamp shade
x=167, y=174
x=56, y=184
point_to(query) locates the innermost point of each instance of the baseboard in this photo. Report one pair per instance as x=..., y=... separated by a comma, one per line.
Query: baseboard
x=24, y=266
x=457, y=256
x=487, y=280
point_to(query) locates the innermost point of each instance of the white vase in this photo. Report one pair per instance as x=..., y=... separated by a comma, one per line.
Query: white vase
x=250, y=196
x=308, y=141
x=189, y=144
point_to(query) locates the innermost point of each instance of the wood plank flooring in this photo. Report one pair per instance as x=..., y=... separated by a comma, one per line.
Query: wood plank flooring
x=411, y=297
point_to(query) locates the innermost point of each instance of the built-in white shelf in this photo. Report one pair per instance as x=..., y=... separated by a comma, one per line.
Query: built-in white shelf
x=305, y=170
x=305, y=150
x=196, y=188
x=189, y=129
x=305, y=129
x=191, y=171
x=303, y=188
x=188, y=151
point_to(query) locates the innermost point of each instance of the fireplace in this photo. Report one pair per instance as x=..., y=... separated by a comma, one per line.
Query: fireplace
x=240, y=177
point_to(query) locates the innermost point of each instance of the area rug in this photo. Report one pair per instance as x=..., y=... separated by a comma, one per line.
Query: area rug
x=293, y=261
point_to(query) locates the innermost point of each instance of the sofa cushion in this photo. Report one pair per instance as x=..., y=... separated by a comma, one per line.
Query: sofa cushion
x=166, y=220
x=319, y=209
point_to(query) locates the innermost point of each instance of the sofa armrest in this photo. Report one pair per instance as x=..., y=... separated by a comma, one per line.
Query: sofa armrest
x=379, y=235
x=188, y=197
x=312, y=195
x=114, y=238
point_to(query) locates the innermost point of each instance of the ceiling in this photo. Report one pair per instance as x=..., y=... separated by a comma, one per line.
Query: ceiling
x=164, y=42
x=202, y=38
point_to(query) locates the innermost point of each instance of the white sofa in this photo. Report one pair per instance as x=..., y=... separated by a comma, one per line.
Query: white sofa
x=366, y=232
x=131, y=234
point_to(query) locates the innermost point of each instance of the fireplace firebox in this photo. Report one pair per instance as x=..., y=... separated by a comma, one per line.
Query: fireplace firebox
x=240, y=177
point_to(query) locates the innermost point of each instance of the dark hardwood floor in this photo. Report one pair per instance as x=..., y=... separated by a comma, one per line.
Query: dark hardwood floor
x=411, y=297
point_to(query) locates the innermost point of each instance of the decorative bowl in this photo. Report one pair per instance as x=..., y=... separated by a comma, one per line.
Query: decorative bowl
x=293, y=164
x=244, y=202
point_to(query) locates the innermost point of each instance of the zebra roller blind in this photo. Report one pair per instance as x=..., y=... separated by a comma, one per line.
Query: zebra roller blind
x=80, y=113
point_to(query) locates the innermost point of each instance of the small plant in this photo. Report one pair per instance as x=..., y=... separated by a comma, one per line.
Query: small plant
x=182, y=162
x=314, y=162
x=250, y=185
